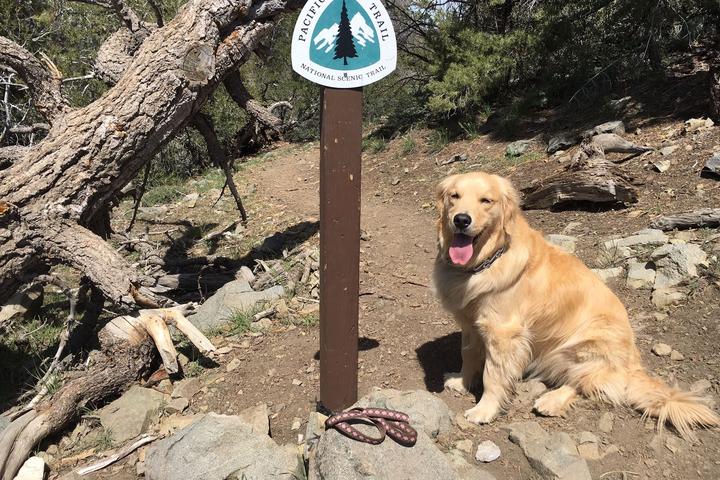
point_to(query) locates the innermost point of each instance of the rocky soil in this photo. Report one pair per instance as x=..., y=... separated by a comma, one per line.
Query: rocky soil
x=255, y=399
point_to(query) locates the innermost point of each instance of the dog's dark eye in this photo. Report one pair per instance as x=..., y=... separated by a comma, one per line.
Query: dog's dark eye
x=485, y=200
x=455, y=195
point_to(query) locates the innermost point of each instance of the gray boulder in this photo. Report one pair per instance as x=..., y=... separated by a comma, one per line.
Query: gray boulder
x=23, y=304
x=337, y=456
x=617, y=127
x=132, y=414
x=427, y=412
x=517, y=148
x=677, y=263
x=612, y=143
x=232, y=297
x=220, y=447
x=641, y=275
x=562, y=141
x=712, y=167
x=552, y=455
x=648, y=236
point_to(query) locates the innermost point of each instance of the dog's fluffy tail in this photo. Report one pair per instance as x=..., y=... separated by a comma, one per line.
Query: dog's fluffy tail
x=685, y=410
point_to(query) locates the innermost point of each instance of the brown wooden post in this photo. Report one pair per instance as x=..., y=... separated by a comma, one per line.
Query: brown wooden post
x=340, y=153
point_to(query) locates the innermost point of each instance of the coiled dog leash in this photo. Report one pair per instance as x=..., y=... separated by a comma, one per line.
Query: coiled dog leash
x=392, y=423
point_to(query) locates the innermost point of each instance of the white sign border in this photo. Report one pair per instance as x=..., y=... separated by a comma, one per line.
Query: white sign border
x=300, y=50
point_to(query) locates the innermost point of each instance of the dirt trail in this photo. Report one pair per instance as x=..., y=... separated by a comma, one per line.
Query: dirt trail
x=408, y=341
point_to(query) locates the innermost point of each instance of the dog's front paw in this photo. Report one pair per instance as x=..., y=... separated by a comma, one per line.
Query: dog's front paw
x=482, y=413
x=454, y=382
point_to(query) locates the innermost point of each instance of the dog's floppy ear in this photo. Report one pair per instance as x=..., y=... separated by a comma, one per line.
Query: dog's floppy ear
x=509, y=200
x=441, y=190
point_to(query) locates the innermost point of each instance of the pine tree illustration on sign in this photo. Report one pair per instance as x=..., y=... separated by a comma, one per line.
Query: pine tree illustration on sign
x=345, y=47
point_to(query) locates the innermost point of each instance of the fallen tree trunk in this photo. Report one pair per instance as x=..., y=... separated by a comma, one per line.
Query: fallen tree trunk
x=52, y=195
x=126, y=354
x=589, y=179
x=704, y=218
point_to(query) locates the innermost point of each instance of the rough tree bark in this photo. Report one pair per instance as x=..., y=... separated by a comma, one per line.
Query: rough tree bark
x=52, y=192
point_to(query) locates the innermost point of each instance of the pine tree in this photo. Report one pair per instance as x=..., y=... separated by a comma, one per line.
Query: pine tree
x=344, y=46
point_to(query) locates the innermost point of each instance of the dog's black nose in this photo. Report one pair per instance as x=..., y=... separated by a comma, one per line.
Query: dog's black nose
x=462, y=220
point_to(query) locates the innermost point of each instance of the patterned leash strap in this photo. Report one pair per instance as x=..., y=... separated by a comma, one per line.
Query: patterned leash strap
x=388, y=422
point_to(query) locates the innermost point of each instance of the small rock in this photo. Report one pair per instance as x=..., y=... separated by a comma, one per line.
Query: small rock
x=610, y=450
x=262, y=325
x=664, y=297
x=553, y=456
x=223, y=350
x=695, y=124
x=617, y=127
x=313, y=430
x=247, y=274
x=640, y=275
x=132, y=413
x=458, y=157
x=462, y=423
x=589, y=451
x=606, y=274
x=565, y=242
x=587, y=437
x=528, y=391
x=677, y=356
x=661, y=349
x=258, y=417
x=177, y=405
x=669, y=150
x=395, y=181
x=487, y=451
x=612, y=143
x=517, y=148
x=32, y=469
x=187, y=388
x=700, y=386
x=712, y=167
x=296, y=424
x=297, y=382
x=281, y=309
x=22, y=304
x=676, y=263
x=464, y=446
x=661, y=165
x=233, y=365
x=673, y=443
x=190, y=200
x=605, y=424
x=563, y=141
x=648, y=236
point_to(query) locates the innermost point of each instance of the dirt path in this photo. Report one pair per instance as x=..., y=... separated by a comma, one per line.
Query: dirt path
x=408, y=341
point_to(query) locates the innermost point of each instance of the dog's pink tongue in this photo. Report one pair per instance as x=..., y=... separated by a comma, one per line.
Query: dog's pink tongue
x=461, y=249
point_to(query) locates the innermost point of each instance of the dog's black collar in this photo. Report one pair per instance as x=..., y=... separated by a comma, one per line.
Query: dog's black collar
x=487, y=263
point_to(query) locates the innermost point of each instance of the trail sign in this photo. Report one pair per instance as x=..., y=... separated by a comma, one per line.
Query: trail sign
x=344, y=43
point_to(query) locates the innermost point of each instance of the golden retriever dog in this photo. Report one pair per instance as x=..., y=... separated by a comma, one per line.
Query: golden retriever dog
x=527, y=308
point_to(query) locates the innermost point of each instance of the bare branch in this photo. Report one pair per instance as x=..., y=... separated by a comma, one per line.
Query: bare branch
x=43, y=81
x=203, y=124
x=25, y=129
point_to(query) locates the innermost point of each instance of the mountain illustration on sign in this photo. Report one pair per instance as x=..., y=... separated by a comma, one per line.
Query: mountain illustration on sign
x=344, y=32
